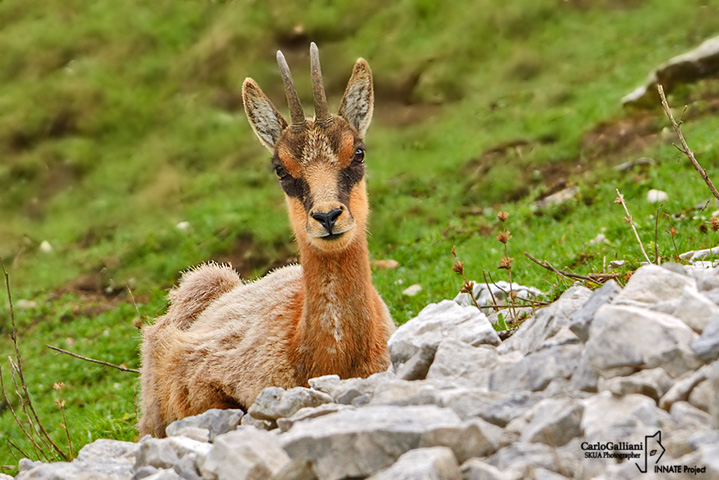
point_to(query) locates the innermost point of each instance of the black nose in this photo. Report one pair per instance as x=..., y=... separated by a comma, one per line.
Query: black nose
x=328, y=219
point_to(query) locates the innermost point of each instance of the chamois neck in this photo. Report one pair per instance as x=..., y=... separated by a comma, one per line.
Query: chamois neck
x=339, y=313
x=345, y=274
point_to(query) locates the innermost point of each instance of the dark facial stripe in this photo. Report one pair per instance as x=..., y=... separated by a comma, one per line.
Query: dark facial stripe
x=297, y=188
x=294, y=187
x=348, y=178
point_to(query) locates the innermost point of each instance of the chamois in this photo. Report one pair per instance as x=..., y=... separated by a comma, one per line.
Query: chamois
x=222, y=340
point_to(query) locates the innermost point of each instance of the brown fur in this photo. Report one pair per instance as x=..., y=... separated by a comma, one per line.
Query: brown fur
x=223, y=341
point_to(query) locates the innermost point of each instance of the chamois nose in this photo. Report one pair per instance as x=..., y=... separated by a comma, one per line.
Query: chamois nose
x=328, y=219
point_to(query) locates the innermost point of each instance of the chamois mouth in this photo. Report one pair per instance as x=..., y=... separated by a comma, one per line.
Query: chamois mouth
x=321, y=233
x=331, y=236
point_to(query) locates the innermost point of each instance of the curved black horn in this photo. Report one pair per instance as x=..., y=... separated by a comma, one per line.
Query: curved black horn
x=296, y=113
x=322, y=115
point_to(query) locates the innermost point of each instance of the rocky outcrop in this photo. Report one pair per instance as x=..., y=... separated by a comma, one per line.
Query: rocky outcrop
x=688, y=67
x=581, y=390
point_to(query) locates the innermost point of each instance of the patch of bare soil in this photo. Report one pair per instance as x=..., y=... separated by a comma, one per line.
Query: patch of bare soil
x=608, y=143
x=97, y=293
x=554, y=175
x=623, y=135
x=641, y=128
x=483, y=163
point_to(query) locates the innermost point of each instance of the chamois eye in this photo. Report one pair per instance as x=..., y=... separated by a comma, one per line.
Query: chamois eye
x=281, y=171
x=359, y=155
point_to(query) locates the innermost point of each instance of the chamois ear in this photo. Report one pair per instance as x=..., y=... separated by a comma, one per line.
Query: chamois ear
x=264, y=118
x=358, y=101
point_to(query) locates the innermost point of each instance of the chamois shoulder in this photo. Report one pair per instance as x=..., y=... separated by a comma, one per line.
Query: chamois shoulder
x=251, y=298
x=198, y=288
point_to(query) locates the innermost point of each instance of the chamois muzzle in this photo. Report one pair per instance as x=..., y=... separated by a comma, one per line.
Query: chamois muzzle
x=328, y=219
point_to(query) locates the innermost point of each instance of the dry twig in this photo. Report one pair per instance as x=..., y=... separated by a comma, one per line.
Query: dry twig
x=486, y=282
x=37, y=448
x=87, y=359
x=467, y=286
x=685, y=147
x=526, y=302
x=620, y=200
x=657, y=260
x=597, y=278
x=61, y=403
x=12, y=444
x=17, y=367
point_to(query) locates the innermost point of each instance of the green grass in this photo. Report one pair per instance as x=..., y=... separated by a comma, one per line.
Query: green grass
x=122, y=120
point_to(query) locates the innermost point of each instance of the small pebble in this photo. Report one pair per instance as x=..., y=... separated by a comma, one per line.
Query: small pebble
x=656, y=196
x=412, y=290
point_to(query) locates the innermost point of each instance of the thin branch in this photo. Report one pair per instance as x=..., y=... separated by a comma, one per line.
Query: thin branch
x=509, y=269
x=685, y=147
x=597, y=278
x=12, y=444
x=656, y=236
x=491, y=293
x=35, y=446
x=527, y=302
x=61, y=404
x=620, y=200
x=33, y=430
x=458, y=267
x=137, y=309
x=18, y=358
x=100, y=362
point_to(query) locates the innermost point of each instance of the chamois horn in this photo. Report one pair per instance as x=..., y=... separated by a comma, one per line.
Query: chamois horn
x=296, y=113
x=322, y=115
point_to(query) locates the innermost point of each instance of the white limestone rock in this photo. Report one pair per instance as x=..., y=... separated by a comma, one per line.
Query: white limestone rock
x=207, y=425
x=535, y=371
x=437, y=463
x=688, y=67
x=384, y=432
x=498, y=408
x=464, y=364
x=706, y=347
x=609, y=416
x=653, y=383
x=243, y=454
x=548, y=321
x=629, y=336
x=651, y=284
x=310, y=412
x=554, y=422
x=436, y=322
x=476, y=438
x=276, y=402
x=580, y=320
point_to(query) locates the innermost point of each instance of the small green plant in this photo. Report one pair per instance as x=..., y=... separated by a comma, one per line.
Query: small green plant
x=61, y=404
x=506, y=261
x=510, y=319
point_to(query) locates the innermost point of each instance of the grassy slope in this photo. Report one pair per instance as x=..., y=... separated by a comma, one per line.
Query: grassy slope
x=121, y=120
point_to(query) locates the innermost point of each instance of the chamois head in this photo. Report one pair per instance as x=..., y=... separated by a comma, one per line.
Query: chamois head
x=320, y=160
